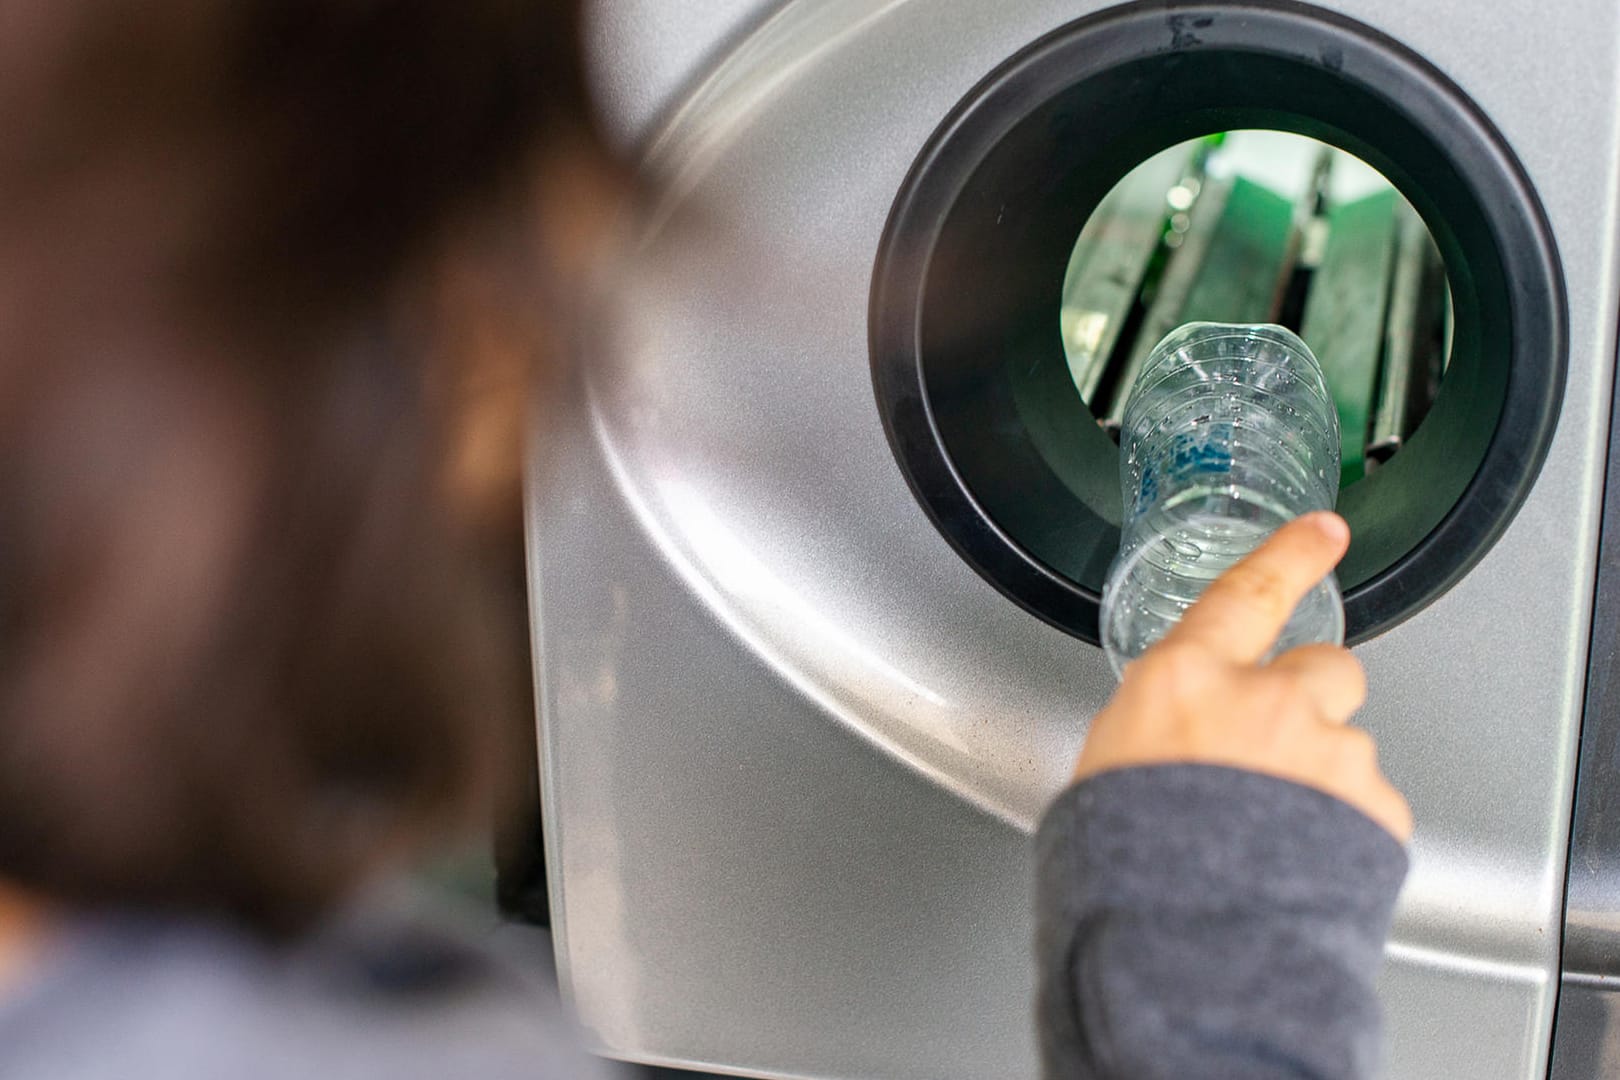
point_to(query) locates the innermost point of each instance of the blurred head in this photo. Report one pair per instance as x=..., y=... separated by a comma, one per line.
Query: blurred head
x=247, y=251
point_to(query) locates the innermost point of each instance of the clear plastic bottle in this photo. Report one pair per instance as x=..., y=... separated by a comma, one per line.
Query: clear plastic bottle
x=1229, y=432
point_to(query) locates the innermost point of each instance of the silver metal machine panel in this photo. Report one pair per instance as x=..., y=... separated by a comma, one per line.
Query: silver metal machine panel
x=793, y=747
x=643, y=53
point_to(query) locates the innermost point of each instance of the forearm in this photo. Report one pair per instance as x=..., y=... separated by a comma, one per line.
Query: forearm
x=1198, y=922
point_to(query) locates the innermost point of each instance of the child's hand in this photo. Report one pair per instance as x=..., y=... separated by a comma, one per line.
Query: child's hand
x=1201, y=695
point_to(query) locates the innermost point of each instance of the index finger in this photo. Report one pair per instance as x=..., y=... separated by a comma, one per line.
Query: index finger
x=1242, y=612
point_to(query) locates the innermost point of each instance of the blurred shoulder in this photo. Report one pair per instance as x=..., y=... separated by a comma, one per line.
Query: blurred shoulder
x=396, y=986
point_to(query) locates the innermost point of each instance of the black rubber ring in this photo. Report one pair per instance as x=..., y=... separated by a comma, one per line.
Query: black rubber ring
x=968, y=276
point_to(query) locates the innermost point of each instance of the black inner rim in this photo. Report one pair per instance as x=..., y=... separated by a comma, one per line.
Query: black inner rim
x=967, y=358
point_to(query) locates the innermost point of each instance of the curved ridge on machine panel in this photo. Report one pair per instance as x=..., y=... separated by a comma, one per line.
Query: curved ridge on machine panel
x=772, y=528
x=644, y=53
x=770, y=569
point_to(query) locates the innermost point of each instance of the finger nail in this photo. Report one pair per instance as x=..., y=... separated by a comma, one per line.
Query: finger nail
x=1332, y=526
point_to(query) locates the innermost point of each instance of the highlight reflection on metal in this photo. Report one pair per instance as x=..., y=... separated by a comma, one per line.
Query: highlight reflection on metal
x=1345, y=315
x=740, y=576
x=1112, y=257
x=776, y=549
x=1415, y=339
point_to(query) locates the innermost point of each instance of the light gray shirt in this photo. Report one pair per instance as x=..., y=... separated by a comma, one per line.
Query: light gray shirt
x=385, y=992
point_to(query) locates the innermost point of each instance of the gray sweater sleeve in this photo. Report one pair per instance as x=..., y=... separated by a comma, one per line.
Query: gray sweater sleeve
x=1202, y=923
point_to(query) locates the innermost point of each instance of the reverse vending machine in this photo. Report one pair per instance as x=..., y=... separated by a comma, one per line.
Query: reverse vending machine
x=817, y=546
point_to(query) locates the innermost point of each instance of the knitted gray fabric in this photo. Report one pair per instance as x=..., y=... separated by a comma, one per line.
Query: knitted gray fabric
x=1203, y=923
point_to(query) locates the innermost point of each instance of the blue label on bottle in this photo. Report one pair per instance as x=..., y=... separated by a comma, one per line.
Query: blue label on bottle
x=1188, y=459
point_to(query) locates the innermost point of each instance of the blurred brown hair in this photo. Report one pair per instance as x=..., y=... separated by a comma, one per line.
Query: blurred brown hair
x=245, y=649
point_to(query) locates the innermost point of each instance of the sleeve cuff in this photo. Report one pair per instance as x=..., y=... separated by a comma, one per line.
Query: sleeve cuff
x=1208, y=837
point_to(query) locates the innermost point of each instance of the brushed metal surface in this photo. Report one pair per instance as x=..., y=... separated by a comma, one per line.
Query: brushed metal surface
x=644, y=53
x=793, y=746
x=1586, y=1031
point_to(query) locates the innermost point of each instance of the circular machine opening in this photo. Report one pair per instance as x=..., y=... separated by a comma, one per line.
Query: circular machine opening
x=1243, y=163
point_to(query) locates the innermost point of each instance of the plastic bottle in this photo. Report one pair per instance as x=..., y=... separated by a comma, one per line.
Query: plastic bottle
x=1229, y=433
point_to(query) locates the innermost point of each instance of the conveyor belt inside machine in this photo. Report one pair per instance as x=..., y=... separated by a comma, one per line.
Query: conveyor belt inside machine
x=1259, y=226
